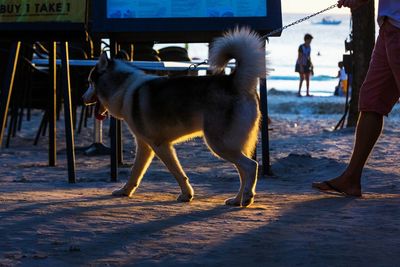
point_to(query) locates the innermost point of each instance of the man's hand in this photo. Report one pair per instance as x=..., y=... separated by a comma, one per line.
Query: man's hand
x=353, y=4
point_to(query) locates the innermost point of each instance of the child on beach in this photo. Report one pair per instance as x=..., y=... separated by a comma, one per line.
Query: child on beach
x=304, y=65
x=378, y=94
x=341, y=88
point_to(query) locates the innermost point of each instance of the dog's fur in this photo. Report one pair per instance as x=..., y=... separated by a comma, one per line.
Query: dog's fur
x=162, y=111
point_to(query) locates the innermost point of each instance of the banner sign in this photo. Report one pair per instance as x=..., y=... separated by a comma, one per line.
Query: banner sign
x=43, y=11
x=185, y=8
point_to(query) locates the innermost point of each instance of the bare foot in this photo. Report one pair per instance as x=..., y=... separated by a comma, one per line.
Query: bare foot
x=339, y=185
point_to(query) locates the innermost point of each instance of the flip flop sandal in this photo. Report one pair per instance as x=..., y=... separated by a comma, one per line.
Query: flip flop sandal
x=333, y=190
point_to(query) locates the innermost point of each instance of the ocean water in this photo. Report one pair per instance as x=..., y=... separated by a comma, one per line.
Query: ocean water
x=327, y=50
x=282, y=83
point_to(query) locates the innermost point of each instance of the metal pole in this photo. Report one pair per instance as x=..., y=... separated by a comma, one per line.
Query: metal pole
x=52, y=105
x=7, y=86
x=113, y=131
x=69, y=131
x=266, y=165
x=114, y=149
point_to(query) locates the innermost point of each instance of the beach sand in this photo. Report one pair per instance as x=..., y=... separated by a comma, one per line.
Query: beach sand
x=44, y=221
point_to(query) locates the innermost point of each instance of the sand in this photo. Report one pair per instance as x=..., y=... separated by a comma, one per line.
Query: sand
x=44, y=221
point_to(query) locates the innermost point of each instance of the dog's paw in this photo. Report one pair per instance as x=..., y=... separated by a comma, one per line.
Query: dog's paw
x=247, y=199
x=185, y=198
x=122, y=192
x=232, y=201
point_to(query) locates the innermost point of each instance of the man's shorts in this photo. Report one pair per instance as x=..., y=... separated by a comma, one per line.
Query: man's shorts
x=381, y=88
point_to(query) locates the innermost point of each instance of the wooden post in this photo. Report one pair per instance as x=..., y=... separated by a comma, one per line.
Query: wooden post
x=7, y=86
x=52, y=105
x=69, y=131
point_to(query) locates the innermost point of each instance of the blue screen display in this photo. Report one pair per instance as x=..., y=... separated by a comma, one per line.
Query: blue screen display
x=130, y=9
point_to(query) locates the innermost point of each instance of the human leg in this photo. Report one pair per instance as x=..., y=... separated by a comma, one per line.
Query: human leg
x=378, y=95
x=369, y=128
x=393, y=51
x=301, y=76
x=307, y=78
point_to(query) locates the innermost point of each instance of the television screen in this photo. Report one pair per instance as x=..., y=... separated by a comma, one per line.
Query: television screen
x=120, y=9
x=180, y=20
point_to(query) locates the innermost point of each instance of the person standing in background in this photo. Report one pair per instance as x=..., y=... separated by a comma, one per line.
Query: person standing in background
x=341, y=89
x=304, y=65
x=378, y=94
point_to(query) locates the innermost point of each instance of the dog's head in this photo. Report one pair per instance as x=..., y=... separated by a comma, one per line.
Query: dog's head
x=92, y=94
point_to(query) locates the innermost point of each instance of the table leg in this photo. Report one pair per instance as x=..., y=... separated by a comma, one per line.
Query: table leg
x=52, y=105
x=7, y=86
x=69, y=131
x=266, y=164
x=114, y=149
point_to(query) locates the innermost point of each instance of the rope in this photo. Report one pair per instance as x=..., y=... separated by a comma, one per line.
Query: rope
x=298, y=21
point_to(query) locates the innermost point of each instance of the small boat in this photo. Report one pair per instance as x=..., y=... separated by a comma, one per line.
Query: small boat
x=328, y=21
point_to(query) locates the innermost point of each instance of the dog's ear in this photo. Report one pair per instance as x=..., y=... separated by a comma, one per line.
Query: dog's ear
x=103, y=62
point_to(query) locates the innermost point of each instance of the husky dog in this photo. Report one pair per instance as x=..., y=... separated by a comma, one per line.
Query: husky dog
x=162, y=111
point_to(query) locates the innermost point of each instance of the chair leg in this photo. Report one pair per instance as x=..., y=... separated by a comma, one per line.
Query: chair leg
x=20, y=118
x=45, y=123
x=15, y=124
x=39, y=131
x=74, y=117
x=28, y=114
x=10, y=128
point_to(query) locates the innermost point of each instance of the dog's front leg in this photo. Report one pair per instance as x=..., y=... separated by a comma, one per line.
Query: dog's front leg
x=167, y=154
x=143, y=158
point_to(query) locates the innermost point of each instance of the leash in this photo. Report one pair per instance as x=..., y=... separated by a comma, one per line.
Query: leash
x=298, y=21
x=195, y=65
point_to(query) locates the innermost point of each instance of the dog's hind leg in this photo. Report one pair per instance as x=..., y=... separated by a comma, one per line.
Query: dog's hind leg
x=231, y=132
x=143, y=158
x=167, y=154
x=247, y=169
x=231, y=149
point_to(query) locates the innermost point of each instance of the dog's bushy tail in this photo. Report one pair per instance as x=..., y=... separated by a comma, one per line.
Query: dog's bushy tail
x=247, y=48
